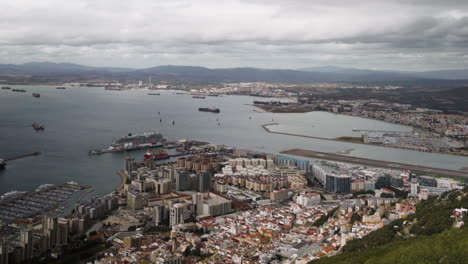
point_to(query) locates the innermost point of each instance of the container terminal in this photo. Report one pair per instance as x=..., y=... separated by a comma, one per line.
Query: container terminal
x=20, y=205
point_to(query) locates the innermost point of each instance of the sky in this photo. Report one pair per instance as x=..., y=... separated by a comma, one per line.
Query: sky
x=415, y=35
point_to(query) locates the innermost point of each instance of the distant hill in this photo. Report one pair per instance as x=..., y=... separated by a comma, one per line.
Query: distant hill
x=48, y=71
x=443, y=75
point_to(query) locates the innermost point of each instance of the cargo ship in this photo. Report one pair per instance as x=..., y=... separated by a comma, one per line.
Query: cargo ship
x=162, y=154
x=6, y=88
x=198, y=96
x=37, y=127
x=211, y=110
x=19, y=90
x=274, y=103
x=37, y=95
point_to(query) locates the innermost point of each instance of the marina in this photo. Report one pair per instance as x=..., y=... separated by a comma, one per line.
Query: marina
x=15, y=206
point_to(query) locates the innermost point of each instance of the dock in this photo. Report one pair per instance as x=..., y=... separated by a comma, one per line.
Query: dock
x=377, y=163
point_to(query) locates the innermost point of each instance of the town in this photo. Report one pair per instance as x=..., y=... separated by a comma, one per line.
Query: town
x=218, y=205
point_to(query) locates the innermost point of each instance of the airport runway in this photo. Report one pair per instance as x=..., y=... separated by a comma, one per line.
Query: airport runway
x=376, y=163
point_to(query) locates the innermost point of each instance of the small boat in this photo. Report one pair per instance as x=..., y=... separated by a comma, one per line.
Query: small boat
x=213, y=94
x=180, y=93
x=60, y=88
x=19, y=90
x=37, y=127
x=6, y=88
x=154, y=94
x=37, y=95
x=198, y=96
x=2, y=164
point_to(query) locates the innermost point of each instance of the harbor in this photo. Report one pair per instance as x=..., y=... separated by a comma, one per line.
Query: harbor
x=100, y=121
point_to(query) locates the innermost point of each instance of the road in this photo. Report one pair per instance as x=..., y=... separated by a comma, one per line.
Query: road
x=376, y=163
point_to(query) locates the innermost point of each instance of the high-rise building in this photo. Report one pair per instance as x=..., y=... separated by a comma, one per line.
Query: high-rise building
x=198, y=201
x=26, y=243
x=204, y=181
x=396, y=181
x=383, y=181
x=158, y=214
x=338, y=183
x=49, y=227
x=136, y=200
x=3, y=252
x=62, y=232
x=414, y=187
x=129, y=164
x=181, y=180
x=180, y=212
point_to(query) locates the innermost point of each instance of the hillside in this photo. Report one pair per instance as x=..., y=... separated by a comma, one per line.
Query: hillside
x=424, y=237
x=41, y=72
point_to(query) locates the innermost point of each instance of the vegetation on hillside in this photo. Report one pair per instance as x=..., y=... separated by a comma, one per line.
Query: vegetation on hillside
x=427, y=236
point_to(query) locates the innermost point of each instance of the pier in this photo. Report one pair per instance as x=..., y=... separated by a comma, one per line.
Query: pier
x=377, y=163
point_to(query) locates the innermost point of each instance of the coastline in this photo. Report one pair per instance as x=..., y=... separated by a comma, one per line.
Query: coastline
x=352, y=141
x=123, y=178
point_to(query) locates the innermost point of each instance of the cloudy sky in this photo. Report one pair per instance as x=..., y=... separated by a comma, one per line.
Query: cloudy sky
x=390, y=34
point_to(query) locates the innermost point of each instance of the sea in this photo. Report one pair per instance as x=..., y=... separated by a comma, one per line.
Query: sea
x=79, y=119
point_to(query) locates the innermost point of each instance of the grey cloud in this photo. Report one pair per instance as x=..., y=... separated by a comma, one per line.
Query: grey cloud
x=259, y=33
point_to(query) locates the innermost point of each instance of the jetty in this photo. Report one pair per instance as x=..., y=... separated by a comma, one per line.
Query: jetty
x=22, y=156
x=3, y=162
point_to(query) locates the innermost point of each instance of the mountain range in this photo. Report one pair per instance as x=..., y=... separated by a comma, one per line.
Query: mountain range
x=48, y=71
